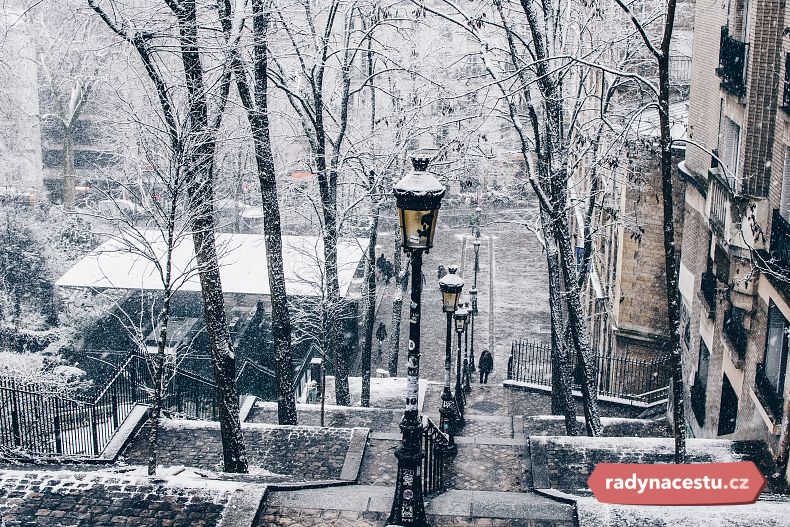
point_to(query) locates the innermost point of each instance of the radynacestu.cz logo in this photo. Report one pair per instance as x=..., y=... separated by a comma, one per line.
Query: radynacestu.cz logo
x=670, y=484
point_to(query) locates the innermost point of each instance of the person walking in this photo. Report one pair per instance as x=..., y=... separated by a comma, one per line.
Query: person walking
x=486, y=365
x=381, y=336
x=440, y=272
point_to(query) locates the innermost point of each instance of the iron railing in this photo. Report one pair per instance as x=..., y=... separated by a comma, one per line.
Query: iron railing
x=636, y=380
x=38, y=420
x=680, y=70
x=732, y=63
x=780, y=240
x=435, y=445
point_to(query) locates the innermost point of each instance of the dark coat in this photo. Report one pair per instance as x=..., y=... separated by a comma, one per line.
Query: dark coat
x=381, y=333
x=486, y=362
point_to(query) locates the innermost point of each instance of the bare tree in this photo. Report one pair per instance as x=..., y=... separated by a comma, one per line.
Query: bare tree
x=193, y=135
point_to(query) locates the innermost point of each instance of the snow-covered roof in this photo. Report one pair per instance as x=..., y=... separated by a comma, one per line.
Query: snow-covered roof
x=119, y=264
x=647, y=124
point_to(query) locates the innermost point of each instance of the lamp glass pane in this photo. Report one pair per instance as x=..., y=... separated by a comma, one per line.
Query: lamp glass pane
x=418, y=227
x=450, y=301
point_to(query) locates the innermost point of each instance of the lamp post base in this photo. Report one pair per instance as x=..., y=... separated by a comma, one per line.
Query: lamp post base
x=408, y=508
x=448, y=419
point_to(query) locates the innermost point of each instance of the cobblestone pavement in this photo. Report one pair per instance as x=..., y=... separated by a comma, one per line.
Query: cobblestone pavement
x=377, y=419
x=285, y=516
x=65, y=498
x=502, y=427
x=487, y=467
x=274, y=453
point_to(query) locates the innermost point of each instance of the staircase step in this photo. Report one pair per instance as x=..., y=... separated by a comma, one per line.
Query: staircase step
x=462, y=503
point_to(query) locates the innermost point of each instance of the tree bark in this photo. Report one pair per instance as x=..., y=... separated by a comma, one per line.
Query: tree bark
x=397, y=307
x=199, y=174
x=370, y=304
x=69, y=185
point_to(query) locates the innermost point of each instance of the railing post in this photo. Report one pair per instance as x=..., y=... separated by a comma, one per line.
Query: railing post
x=114, y=404
x=94, y=431
x=15, y=415
x=510, y=363
x=58, y=432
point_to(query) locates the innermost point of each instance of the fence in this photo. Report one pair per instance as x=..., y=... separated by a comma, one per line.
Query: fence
x=38, y=420
x=635, y=380
x=435, y=444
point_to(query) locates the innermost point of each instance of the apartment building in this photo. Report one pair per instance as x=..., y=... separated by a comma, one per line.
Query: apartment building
x=735, y=259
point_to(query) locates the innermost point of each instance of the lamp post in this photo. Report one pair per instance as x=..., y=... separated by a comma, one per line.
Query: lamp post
x=418, y=198
x=460, y=317
x=478, y=219
x=465, y=380
x=451, y=285
x=473, y=297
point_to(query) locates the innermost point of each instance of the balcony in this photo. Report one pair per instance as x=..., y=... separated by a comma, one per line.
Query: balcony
x=732, y=63
x=780, y=241
x=735, y=332
x=698, y=399
x=772, y=401
x=708, y=288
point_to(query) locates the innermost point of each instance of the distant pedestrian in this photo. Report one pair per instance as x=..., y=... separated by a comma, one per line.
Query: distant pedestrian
x=381, y=336
x=486, y=365
x=440, y=272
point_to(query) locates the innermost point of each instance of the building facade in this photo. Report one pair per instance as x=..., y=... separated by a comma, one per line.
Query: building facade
x=734, y=257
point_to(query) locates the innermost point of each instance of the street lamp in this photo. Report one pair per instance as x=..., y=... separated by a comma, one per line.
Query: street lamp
x=461, y=315
x=418, y=197
x=473, y=297
x=451, y=285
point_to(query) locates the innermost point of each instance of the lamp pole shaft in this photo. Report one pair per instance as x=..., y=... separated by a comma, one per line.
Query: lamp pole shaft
x=472, y=344
x=459, y=393
x=408, y=507
x=466, y=385
x=447, y=411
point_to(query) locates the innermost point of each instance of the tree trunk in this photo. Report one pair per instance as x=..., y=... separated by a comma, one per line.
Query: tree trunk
x=199, y=177
x=258, y=117
x=578, y=328
x=397, y=308
x=562, y=401
x=671, y=255
x=370, y=305
x=69, y=189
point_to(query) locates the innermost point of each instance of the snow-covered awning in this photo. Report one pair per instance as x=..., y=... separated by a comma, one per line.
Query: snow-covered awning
x=119, y=264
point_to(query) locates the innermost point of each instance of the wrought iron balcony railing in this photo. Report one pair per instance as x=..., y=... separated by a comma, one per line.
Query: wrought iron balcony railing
x=732, y=63
x=780, y=241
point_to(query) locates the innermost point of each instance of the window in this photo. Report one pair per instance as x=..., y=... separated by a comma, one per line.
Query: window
x=770, y=376
x=730, y=139
x=784, y=204
x=728, y=412
x=776, y=350
x=699, y=388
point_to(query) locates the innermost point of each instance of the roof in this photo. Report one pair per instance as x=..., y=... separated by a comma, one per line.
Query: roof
x=119, y=264
x=646, y=123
